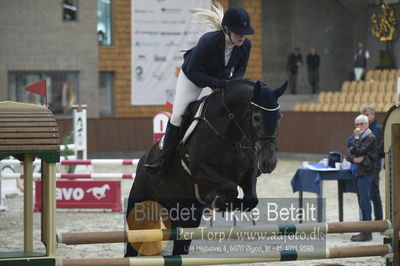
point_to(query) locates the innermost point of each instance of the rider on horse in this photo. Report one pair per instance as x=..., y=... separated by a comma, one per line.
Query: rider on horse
x=219, y=55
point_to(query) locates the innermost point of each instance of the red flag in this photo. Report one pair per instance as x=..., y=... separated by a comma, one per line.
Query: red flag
x=38, y=88
x=169, y=105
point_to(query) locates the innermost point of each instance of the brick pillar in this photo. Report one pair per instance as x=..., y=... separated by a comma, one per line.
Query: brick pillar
x=254, y=68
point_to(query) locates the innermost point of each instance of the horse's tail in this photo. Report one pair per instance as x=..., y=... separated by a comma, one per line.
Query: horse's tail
x=212, y=17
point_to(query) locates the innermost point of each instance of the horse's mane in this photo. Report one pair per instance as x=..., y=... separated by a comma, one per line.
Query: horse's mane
x=238, y=94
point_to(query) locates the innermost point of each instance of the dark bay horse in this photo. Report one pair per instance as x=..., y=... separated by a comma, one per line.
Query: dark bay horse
x=233, y=143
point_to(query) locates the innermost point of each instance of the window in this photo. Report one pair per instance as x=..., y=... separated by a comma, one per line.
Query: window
x=104, y=22
x=62, y=89
x=106, y=84
x=70, y=10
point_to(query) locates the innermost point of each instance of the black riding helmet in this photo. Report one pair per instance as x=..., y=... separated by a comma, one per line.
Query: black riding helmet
x=237, y=20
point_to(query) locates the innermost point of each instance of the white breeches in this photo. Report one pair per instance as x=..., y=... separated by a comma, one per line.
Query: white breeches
x=186, y=92
x=358, y=71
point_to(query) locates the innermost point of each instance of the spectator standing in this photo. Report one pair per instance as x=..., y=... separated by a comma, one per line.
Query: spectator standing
x=295, y=60
x=361, y=60
x=376, y=128
x=362, y=155
x=313, y=70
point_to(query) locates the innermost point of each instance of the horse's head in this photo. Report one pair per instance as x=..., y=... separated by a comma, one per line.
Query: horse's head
x=265, y=119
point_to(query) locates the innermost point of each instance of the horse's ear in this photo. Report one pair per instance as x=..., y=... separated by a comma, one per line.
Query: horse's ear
x=257, y=90
x=279, y=91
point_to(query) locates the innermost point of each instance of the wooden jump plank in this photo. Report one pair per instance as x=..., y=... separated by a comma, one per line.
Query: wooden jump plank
x=28, y=141
x=27, y=119
x=27, y=129
x=7, y=115
x=30, y=148
x=29, y=135
x=24, y=110
x=26, y=124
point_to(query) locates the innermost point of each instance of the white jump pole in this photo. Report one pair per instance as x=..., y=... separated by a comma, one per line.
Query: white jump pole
x=103, y=176
x=93, y=162
x=80, y=130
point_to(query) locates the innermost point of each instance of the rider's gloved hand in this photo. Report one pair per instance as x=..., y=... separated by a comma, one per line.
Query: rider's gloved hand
x=221, y=84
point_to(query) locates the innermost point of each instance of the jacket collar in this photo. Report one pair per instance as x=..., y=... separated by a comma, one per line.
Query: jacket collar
x=221, y=47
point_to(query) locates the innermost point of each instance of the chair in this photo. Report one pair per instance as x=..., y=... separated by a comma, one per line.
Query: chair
x=373, y=87
x=392, y=74
x=382, y=88
x=333, y=107
x=347, y=107
x=325, y=107
x=306, y=107
x=357, y=98
x=380, y=107
x=345, y=86
x=356, y=107
x=340, y=107
x=321, y=97
x=298, y=107
x=317, y=107
x=391, y=86
x=314, y=107
x=372, y=97
x=364, y=98
x=367, y=87
x=380, y=98
x=353, y=85
x=350, y=97
x=335, y=97
x=377, y=74
x=390, y=98
x=360, y=86
x=342, y=98
x=387, y=106
x=369, y=75
x=384, y=75
x=328, y=97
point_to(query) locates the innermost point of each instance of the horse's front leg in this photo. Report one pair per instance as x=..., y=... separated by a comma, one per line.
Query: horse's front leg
x=248, y=184
x=224, y=192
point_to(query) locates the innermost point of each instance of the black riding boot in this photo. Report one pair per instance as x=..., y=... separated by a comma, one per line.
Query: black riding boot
x=171, y=140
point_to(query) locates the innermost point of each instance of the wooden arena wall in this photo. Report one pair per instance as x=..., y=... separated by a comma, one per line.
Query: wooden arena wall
x=299, y=132
x=117, y=58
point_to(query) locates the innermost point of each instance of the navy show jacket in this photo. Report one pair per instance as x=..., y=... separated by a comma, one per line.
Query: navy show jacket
x=204, y=64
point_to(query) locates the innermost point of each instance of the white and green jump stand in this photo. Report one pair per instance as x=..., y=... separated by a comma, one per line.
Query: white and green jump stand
x=28, y=131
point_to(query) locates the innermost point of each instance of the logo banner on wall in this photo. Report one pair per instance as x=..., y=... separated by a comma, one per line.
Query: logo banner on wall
x=161, y=31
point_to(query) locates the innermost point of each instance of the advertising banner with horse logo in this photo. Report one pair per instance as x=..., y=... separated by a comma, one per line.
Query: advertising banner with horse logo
x=84, y=195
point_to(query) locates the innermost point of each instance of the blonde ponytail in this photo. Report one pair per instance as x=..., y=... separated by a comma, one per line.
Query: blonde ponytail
x=212, y=17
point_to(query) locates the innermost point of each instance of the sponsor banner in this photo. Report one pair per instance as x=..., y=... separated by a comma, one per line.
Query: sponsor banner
x=161, y=31
x=84, y=195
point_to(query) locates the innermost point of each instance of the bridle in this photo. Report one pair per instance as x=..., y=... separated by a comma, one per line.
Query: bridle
x=265, y=108
x=232, y=117
x=237, y=144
